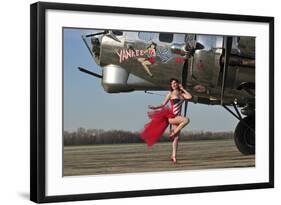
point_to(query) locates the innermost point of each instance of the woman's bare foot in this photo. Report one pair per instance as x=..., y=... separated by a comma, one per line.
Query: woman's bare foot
x=149, y=73
x=171, y=134
x=173, y=159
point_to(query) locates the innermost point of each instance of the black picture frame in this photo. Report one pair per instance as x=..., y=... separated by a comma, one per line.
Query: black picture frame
x=38, y=101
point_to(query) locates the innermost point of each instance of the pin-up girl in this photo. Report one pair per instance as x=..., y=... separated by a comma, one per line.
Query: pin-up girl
x=146, y=62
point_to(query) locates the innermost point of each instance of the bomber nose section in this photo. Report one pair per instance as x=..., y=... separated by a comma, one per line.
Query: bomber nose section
x=92, y=41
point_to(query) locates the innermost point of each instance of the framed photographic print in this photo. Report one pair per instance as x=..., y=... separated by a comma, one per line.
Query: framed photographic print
x=129, y=102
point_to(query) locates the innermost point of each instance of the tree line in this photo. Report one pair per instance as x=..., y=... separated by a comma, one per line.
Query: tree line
x=84, y=136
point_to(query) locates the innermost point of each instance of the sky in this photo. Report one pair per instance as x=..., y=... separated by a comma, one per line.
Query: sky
x=87, y=105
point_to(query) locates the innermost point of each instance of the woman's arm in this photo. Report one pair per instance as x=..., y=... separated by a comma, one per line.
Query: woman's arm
x=167, y=98
x=186, y=95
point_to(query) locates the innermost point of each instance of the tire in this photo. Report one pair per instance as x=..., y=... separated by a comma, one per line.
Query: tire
x=244, y=136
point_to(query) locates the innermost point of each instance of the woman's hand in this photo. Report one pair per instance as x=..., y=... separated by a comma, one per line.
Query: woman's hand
x=180, y=86
x=185, y=94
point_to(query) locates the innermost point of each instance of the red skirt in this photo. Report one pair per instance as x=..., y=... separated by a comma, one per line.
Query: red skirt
x=157, y=125
x=151, y=60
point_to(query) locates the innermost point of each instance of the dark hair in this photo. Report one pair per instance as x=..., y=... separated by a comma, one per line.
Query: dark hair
x=171, y=80
x=155, y=45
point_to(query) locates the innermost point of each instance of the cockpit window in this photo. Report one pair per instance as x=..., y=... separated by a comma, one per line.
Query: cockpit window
x=166, y=37
x=146, y=36
x=117, y=32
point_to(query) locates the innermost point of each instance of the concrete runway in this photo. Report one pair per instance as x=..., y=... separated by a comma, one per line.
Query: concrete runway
x=133, y=158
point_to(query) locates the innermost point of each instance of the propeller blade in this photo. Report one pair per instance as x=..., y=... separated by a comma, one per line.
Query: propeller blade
x=185, y=107
x=184, y=81
x=228, y=46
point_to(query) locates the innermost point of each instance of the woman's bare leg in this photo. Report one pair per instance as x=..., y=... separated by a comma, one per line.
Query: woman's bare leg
x=141, y=59
x=175, y=148
x=175, y=137
x=145, y=64
x=180, y=121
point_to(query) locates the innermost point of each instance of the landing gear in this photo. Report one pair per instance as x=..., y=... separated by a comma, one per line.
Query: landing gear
x=244, y=135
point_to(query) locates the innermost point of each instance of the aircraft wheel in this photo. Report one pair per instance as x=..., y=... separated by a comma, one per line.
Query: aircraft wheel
x=244, y=135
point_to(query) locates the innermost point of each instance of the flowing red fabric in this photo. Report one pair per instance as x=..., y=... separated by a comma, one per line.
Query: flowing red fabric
x=157, y=125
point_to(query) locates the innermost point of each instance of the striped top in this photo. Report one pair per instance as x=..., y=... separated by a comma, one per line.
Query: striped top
x=176, y=105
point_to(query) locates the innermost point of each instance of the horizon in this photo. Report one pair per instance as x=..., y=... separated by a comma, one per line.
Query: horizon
x=122, y=130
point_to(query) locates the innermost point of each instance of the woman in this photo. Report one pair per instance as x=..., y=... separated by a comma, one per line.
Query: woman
x=151, y=52
x=163, y=116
